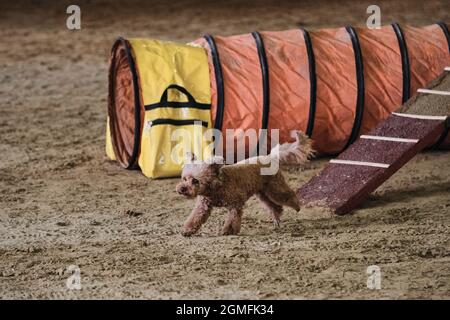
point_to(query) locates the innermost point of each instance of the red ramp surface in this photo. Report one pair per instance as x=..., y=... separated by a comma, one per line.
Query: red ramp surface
x=349, y=179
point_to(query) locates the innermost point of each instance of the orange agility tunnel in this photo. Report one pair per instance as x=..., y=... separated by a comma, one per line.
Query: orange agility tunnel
x=333, y=84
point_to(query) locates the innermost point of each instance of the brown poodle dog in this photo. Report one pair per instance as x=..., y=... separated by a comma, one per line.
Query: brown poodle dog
x=230, y=186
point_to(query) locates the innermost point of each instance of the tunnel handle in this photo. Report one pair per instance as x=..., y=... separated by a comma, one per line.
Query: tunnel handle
x=179, y=88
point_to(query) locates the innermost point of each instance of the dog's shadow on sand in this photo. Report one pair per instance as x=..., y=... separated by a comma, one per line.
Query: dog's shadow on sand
x=405, y=194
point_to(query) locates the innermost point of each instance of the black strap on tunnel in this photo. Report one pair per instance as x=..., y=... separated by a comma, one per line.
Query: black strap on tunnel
x=444, y=134
x=137, y=101
x=312, y=82
x=179, y=122
x=360, y=86
x=265, y=84
x=405, y=62
x=446, y=32
x=219, y=81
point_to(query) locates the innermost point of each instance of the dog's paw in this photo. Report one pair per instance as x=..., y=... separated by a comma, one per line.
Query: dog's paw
x=188, y=232
x=228, y=231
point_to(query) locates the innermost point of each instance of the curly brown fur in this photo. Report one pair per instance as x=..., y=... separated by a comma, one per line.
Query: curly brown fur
x=230, y=186
x=295, y=153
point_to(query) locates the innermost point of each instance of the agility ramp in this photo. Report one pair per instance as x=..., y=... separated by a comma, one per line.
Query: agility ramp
x=349, y=179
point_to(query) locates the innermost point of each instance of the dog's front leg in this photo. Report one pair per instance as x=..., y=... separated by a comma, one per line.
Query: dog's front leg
x=232, y=224
x=198, y=216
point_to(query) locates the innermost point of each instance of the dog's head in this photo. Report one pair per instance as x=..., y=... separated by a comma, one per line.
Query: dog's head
x=198, y=177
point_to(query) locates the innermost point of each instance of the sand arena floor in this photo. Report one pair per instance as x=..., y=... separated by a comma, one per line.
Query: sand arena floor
x=63, y=203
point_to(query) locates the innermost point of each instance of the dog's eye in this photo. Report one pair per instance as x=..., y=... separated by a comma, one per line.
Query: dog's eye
x=195, y=181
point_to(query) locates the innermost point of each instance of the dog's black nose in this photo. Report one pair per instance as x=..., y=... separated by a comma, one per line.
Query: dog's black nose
x=182, y=190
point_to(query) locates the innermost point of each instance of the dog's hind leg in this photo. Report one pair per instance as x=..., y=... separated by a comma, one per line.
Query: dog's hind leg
x=275, y=210
x=279, y=192
x=232, y=224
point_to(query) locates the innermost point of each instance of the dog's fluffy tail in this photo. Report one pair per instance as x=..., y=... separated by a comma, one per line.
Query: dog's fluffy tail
x=294, y=153
x=291, y=154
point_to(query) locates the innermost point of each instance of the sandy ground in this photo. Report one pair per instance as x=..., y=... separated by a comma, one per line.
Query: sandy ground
x=63, y=203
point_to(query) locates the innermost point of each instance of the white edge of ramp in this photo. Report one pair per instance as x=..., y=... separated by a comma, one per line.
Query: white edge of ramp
x=419, y=116
x=441, y=93
x=360, y=163
x=389, y=139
